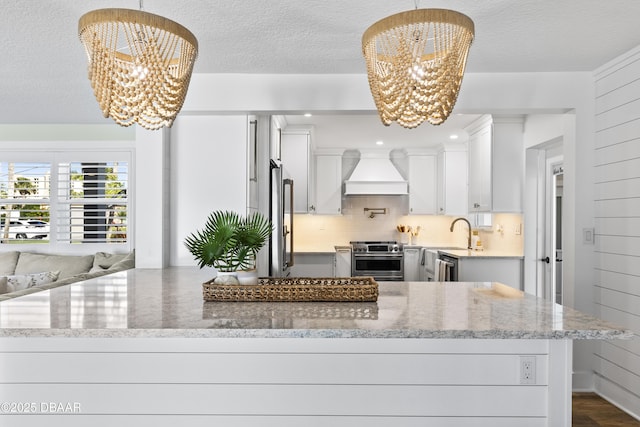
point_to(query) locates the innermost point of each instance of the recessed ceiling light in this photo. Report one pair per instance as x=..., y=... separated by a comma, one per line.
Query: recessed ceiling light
x=379, y=142
x=454, y=136
x=307, y=114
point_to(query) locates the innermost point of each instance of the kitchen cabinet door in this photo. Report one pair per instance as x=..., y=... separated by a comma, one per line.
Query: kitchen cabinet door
x=508, y=159
x=411, y=264
x=342, y=262
x=480, y=174
x=295, y=160
x=496, y=164
x=328, y=184
x=507, y=270
x=452, y=192
x=308, y=264
x=422, y=184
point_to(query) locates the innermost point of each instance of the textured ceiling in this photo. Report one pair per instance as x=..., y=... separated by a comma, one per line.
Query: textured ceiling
x=43, y=65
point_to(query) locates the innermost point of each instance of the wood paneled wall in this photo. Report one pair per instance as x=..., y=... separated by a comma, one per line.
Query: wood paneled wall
x=617, y=225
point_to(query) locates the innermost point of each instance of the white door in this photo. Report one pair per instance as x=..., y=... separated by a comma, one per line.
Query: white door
x=541, y=226
x=553, y=230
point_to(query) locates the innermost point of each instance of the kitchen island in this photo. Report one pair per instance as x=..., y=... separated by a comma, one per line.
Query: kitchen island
x=142, y=347
x=478, y=266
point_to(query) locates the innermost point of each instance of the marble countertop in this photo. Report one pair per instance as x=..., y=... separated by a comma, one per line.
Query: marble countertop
x=168, y=303
x=467, y=253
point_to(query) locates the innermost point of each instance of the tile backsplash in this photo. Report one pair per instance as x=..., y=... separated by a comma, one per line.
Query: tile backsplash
x=322, y=232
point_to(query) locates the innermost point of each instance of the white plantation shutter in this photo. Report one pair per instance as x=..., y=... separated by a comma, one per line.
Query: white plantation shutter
x=24, y=195
x=66, y=199
x=92, y=202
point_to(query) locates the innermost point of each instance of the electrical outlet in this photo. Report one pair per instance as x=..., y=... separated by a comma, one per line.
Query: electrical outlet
x=527, y=369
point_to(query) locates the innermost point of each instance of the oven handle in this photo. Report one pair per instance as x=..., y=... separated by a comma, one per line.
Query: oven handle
x=372, y=255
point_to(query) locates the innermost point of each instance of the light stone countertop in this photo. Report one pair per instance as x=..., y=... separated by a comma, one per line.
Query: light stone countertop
x=467, y=253
x=168, y=303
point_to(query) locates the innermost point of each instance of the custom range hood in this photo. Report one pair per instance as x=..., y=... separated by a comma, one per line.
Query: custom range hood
x=375, y=174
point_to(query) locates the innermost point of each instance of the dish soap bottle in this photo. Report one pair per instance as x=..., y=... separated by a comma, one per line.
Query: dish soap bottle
x=476, y=243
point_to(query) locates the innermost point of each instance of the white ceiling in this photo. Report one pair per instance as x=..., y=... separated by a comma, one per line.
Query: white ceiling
x=43, y=65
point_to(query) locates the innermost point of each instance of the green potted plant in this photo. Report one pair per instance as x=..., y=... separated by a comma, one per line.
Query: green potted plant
x=229, y=243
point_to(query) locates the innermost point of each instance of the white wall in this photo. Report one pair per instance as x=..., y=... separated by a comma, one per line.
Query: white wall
x=208, y=171
x=617, y=225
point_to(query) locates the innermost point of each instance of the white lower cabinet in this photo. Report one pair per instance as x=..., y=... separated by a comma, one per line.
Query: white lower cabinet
x=507, y=270
x=342, y=262
x=411, y=264
x=312, y=265
x=284, y=382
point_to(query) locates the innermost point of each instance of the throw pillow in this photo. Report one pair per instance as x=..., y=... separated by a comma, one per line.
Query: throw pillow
x=17, y=282
x=4, y=286
x=8, y=261
x=67, y=265
x=104, y=260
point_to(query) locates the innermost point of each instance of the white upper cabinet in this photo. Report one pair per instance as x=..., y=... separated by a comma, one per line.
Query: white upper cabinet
x=452, y=181
x=328, y=183
x=295, y=154
x=508, y=164
x=422, y=184
x=480, y=174
x=496, y=164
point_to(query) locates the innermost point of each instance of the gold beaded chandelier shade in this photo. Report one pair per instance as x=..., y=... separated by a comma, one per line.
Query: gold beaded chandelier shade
x=415, y=64
x=140, y=65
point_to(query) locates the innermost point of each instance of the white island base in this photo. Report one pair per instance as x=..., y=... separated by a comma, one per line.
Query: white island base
x=284, y=382
x=141, y=348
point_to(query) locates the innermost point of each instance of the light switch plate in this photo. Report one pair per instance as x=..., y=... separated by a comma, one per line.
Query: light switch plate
x=588, y=236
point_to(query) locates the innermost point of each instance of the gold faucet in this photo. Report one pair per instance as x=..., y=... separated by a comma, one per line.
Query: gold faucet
x=469, y=226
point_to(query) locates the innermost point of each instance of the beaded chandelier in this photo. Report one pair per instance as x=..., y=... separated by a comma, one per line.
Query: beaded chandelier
x=415, y=64
x=140, y=65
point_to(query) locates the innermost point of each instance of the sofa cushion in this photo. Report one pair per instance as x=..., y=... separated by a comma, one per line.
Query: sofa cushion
x=18, y=282
x=67, y=265
x=104, y=261
x=4, y=286
x=8, y=261
x=129, y=261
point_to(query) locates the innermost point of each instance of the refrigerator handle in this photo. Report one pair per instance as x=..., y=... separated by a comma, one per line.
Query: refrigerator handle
x=289, y=182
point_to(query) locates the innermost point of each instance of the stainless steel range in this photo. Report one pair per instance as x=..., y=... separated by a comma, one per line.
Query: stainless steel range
x=383, y=261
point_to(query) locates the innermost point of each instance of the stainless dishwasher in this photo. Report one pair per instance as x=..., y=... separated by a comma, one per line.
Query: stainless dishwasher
x=452, y=266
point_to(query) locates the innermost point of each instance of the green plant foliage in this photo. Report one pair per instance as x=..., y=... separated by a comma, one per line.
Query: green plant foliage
x=229, y=241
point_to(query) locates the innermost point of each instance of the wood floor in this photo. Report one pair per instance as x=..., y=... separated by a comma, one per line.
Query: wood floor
x=590, y=410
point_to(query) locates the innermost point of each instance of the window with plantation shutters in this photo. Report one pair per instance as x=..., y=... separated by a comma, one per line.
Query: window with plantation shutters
x=92, y=203
x=24, y=201
x=66, y=198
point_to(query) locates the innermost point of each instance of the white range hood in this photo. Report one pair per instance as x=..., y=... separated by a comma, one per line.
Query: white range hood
x=375, y=174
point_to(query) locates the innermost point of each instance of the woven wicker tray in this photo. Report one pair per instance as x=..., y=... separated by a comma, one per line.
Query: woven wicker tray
x=296, y=289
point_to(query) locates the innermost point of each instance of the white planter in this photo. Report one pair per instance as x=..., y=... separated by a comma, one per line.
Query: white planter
x=248, y=277
x=226, y=278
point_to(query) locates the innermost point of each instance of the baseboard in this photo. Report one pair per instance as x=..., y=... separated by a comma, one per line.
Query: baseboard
x=618, y=396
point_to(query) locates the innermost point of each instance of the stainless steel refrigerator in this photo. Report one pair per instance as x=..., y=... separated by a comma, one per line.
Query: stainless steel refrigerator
x=281, y=208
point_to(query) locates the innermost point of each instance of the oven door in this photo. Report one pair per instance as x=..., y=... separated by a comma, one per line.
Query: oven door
x=383, y=267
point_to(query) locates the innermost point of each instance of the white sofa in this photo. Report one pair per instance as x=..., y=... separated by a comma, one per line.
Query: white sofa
x=23, y=273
